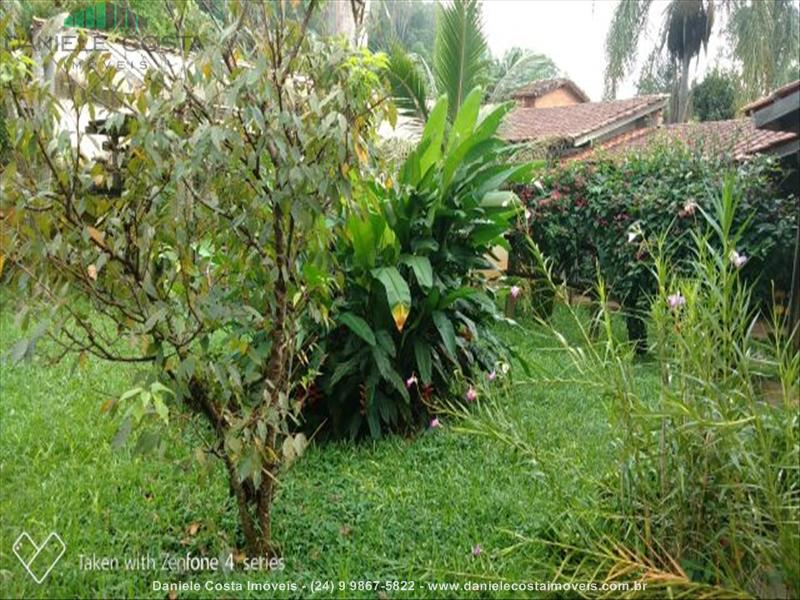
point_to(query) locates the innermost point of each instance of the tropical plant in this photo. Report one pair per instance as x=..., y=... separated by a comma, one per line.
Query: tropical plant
x=459, y=62
x=714, y=98
x=604, y=215
x=763, y=37
x=516, y=68
x=413, y=316
x=199, y=248
x=408, y=23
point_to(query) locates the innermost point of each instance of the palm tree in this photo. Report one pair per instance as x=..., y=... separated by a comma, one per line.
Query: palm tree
x=763, y=36
x=459, y=62
x=518, y=67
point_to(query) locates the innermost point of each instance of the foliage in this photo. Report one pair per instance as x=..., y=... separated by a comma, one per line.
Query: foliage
x=199, y=250
x=604, y=215
x=764, y=39
x=714, y=98
x=459, y=58
x=459, y=62
x=516, y=68
x=703, y=500
x=408, y=23
x=413, y=317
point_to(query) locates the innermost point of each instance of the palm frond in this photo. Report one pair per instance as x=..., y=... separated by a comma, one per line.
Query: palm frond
x=622, y=41
x=527, y=66
x=460, y=51
x=408, y=85
x=765, y=37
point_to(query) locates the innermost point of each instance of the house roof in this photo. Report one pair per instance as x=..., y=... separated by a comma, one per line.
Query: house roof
x=781, y=92
x=737, y=137
x=543, y=86
x=577, y=123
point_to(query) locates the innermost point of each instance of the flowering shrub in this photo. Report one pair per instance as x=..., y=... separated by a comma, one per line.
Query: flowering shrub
x=606, y=215
x=413, y=312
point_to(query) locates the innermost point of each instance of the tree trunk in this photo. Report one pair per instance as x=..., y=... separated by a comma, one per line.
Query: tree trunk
x=682, y=113
x=348, y=18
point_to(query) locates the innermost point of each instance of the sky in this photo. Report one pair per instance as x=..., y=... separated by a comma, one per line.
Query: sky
x=572, y=33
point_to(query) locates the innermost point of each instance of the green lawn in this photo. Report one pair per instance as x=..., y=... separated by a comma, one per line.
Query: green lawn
x=398, y=509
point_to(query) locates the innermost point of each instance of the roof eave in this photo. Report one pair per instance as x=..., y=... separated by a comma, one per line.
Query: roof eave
x=587, y=137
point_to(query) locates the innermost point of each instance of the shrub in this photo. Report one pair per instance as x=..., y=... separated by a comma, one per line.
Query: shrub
x=413, y=311
x=605, y=215
x=714, y=98
x=701, y=499
x=196, y=252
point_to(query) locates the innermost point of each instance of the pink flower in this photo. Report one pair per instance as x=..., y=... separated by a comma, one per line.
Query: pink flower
x=477, y=550
x=411, y=381
x=738, y=260
x=675, y=301
x=515, y=291
x=435, y=423
x=471, y=394
x=491, y=375
x=688, y=208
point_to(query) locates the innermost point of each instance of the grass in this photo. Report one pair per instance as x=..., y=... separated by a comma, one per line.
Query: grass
x=398, y=509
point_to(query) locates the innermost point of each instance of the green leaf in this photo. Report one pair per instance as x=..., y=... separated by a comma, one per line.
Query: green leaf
x=422, y=353
x=447, y=332
x=460, y=51
x=358, y=326
x=388, y=373
x=122, y=434
x=465, y=119
x=421, y=265
x=397, y=293
x=434, y=132
x=407, y=84
x=147, y=442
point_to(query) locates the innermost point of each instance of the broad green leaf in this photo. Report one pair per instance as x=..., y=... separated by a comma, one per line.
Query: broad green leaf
x=434, y=131
x=388, y=372
x=397, y=293
x=358, y=326
x=447, y=333
x=423, y=271
x=465, y=119
x=499, y=199
x=422, y=353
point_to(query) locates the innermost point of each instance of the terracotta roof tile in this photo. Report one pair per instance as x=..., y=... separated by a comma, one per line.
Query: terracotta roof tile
x=571, y=122
x=543, y=86
x=775, y=95
x=737, y=137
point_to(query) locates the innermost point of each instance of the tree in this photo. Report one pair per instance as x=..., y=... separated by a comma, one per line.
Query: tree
x=516, y=68
x=409, y=23
x=714, y=98
x=199, y=249
x=459, y=62
x=763, y=36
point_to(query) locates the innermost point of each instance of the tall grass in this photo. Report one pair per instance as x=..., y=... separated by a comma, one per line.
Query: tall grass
x=706, y=494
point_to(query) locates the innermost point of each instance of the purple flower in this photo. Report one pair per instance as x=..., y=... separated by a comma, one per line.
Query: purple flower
x=477, y=550
x=435, y=423
x=738, y=260
x=411, y=381
x=491, y=375
x=515, y=291
x=675, y=301
x=471, y=394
